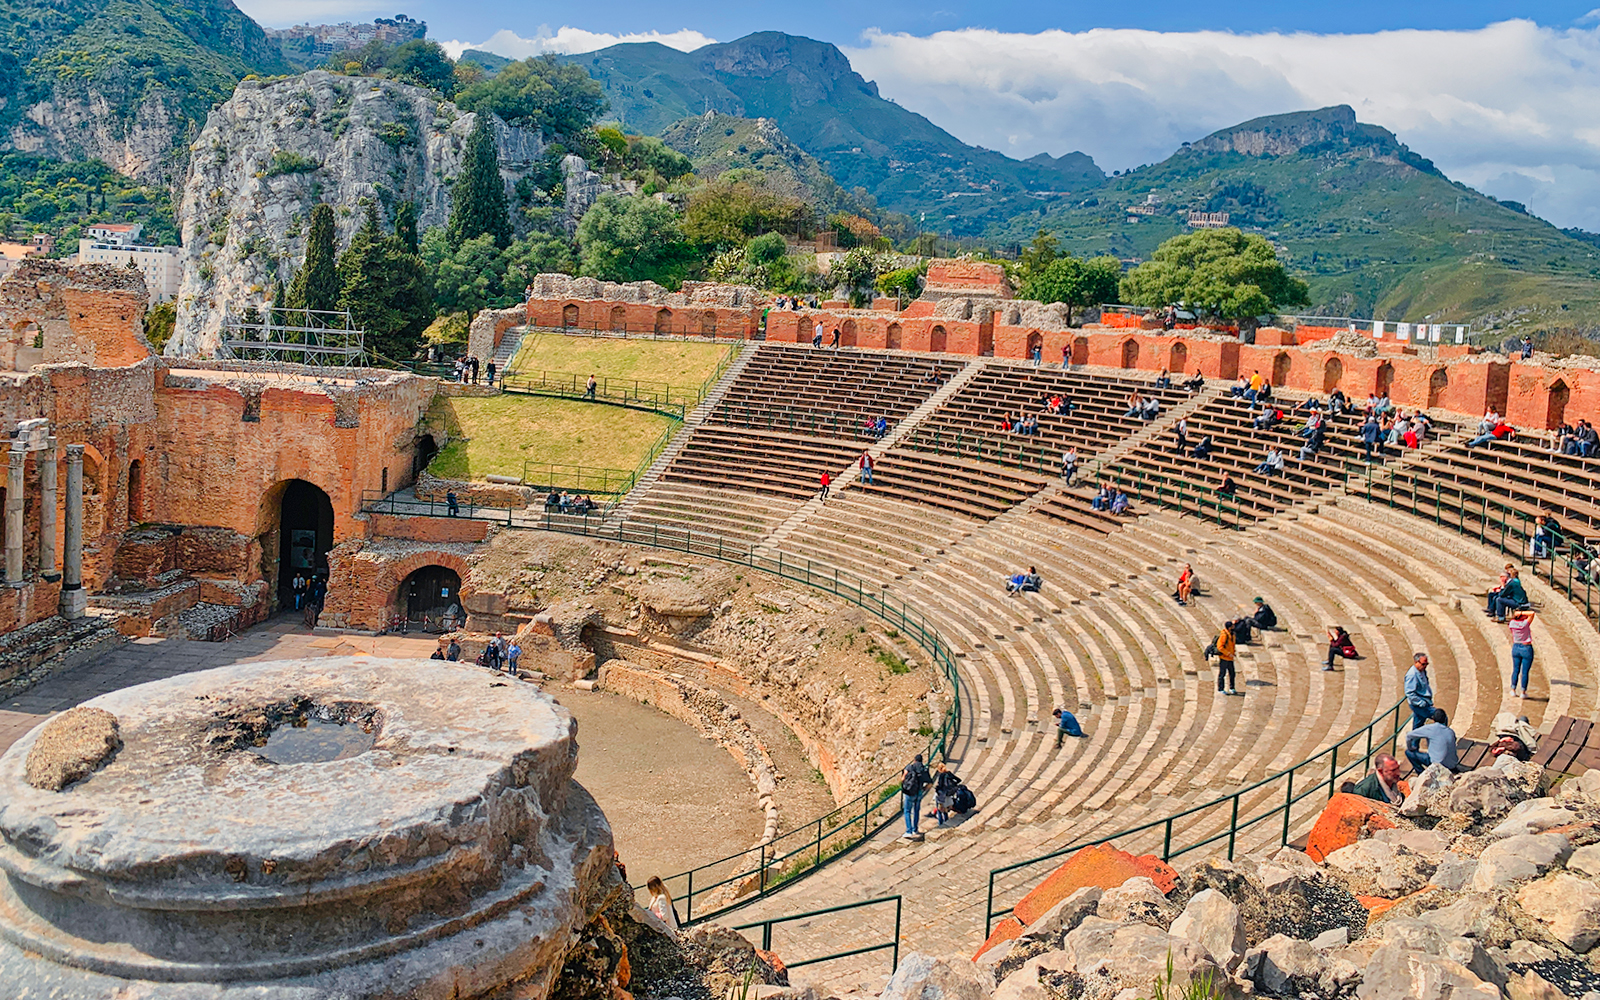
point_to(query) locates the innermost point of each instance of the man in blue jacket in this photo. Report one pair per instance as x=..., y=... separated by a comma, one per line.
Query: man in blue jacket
x=1419, y=693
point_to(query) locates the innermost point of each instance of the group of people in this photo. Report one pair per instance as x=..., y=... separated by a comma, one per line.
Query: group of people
x=950, y=795
x=1114, y=501
x=1029, y=582
x=816, y=336
x=1142, y=406
x=310, y=592
x=1234, y=633
x=569, y=503
x=1492, y=428
x=1022, y=425
x=1580, y=440
x=467, y=371
x=875, y=427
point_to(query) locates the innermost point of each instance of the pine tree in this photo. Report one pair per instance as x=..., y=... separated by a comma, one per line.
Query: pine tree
x=405, y=226
x=478, y=200
x=385, y=288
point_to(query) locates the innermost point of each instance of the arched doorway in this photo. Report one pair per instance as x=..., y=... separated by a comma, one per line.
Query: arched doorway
x=1080, y=350
x=893, y=339
x=428, y=593
x=1130, y=353
x=938, y=339
x=1179, y=358
x=1280, y=368
x=708, y=323
x=136, y=514
x=1035, y=343
x=1438, y=382
x=1556, y=409
x=1385, y=379
x=427, y=447
x=301, y=516
x=1332, y=374
x=664, y=321
x=1013, y=316
x=569, y=316
x=29, y=339
x=847, y=333
x=619, y=319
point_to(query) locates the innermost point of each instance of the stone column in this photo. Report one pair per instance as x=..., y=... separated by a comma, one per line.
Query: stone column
x=74, y=602
x=16, y=527
x=47, y=512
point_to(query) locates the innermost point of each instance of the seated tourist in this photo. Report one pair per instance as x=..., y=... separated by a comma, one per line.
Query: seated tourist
x=1510, y=597
x=1119, y=503
x=1441, y=748
x=1135, y=404
x=1020, y=582
x=1196, y=382
x=1313, y=424
x=1242, y=628
x=1514, y=738
x=1588, y=439
x=1384, y=784
x=1186, y=584
x=1310, y=405
x=1202, y=449
x=1546, y=536
x=1227, y=487
x=1267, y=418
x=1339, y=644
x=1272, y=464
x=1312, y=446
x=552, y=500
x=1102, y=499
x=1005, y=423
x=1151, y=408
x=1242, y=387
x=1264, y=617
x=1163, y=381
x=1338, y=403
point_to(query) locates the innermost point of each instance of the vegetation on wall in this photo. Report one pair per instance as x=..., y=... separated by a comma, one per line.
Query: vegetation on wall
x=38, y=195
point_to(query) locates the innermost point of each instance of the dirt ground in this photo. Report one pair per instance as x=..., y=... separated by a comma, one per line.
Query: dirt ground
x=674, y=799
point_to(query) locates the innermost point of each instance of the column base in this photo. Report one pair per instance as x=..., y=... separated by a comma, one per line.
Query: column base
x=74, y=602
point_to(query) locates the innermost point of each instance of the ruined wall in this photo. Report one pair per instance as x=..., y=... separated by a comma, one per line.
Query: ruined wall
x=364, y=577
x=966, y=279
x=701, y=308
x=90, y=313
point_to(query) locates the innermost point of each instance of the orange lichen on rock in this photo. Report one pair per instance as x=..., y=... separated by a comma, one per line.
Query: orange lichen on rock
x=1342, y=821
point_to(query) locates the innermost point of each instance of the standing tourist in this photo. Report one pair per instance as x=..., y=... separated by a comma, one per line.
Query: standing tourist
x=1419, y=691
x=1521, y=625
x=1225, y=653
x=914, y=781
x=866, y=468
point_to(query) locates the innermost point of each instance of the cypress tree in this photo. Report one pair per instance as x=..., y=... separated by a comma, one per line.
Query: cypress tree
x=405, y=226
x=478, y=200
x=319, y=277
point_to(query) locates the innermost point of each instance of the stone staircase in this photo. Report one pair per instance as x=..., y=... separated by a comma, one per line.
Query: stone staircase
x=509, y=344
x=693, y=419
x=1153, y=429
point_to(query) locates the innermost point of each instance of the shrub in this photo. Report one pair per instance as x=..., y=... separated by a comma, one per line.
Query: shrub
x=285, y=162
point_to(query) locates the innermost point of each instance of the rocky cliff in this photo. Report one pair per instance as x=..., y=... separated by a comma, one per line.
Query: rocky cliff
x=274, y=150
x=1326, y=130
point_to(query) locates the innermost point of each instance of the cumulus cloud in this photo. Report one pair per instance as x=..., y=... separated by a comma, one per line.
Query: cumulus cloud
x=1512, y=108
x=565, y=40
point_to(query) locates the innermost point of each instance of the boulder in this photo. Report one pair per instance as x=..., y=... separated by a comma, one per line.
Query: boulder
x=1039, y=977
x=1396, y=971
x=1295, y=898
x=921, y=976
x=1381, y=868
x=1135, y=956
x=1524, y=856
x=1064, y=917
x=1454, y=871
x=1534, y=816
x=1212, y=921
x=1422, y=936
x=1283, y=966
x=1430, y=793
x=70, y=747
x=1137, y=900
x=1101, y=865
x=1567, y=906
x=1343, y=821
x=1586, y=860
x=1584, y=788
x=1485, y=794
x=1532, y=986
x=1424, y=842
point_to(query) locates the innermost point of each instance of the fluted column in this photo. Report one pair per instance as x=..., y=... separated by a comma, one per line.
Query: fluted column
x=16, y=528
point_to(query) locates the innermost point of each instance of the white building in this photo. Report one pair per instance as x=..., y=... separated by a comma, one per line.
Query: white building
x=122, y=234
x=162, y=266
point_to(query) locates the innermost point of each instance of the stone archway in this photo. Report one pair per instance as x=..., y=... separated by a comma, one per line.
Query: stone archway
x=1332, y=374
x=663, y=321
x=938, y=339
x=1035, y=343
x=1555, y=413
x=1179, y=358
x=708, y=323
x=427, y=593
x=619, y=319
x=295, y=531
x=569, y=316
x=1130, y=353
x=847, y=333
x=893, y=338
x=1385, y=379
x=1438, y=382
x=1281, y=364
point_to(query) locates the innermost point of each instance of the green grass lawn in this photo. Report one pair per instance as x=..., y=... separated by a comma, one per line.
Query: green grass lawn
x=497, y=434
x=675, y=362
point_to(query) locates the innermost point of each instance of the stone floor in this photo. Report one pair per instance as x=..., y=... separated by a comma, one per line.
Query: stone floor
x=153, y=658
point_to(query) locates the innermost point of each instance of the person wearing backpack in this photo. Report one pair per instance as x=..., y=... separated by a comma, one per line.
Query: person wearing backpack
x=945, y=784
x=914, y=781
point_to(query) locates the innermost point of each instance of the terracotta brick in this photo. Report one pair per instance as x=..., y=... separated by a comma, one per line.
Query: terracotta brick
x=1342, y=821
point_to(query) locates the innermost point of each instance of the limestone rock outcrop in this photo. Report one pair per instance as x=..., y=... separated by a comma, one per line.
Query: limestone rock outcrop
x=274, y=150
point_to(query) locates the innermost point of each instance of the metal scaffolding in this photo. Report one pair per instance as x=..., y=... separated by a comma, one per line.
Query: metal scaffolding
x=321, y=337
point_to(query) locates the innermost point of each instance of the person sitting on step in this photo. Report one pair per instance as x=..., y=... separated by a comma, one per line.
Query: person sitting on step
x=1029, y=581
x=1186, y=585
x=1272, y=464
x=1196, y=382
x=1227, y=487
x=1339, y=644
x=1264, y=618
x=1066, y=725
x=1202, y=449
x=1102, y=499
x=1384, y=784
x=1119, y=503
x=1441, y=747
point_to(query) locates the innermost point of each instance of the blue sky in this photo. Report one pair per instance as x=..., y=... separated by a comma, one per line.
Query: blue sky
x=1504, y=97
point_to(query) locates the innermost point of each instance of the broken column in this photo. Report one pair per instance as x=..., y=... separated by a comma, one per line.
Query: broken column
x=74, y=602
x=47, y=512
x=16, y=528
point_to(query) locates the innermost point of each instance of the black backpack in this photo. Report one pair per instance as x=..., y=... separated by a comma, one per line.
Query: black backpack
x=964, y=801
x=914, y=780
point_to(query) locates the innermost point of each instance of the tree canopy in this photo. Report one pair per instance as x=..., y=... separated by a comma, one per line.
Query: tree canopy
x=729, y=211
x=1219, y=273
x=555, y=97
x=1072, y=281
x=632, y=239
x=316, y=284
x=384, y=287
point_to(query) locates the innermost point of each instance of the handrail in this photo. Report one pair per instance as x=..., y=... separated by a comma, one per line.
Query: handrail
x=628, y=393
x=1235, y=824
x=892, y=945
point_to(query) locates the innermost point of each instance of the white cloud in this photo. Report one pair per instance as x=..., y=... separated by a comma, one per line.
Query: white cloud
x=1512, y=108
x=565, y=40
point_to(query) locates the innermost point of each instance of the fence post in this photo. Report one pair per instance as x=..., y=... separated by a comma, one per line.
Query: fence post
x=1288, y=804
x=1233, y=826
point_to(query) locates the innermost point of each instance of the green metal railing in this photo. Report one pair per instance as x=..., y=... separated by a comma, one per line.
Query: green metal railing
x=850, y=932
x=1381, y=735
x=634, y=394
x=557, y=478
x=378, y=502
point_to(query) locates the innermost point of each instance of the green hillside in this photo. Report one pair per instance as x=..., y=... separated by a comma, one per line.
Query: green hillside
x=193, y=51
x=717, y=143
x=810, y=92
x=1375, y=228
